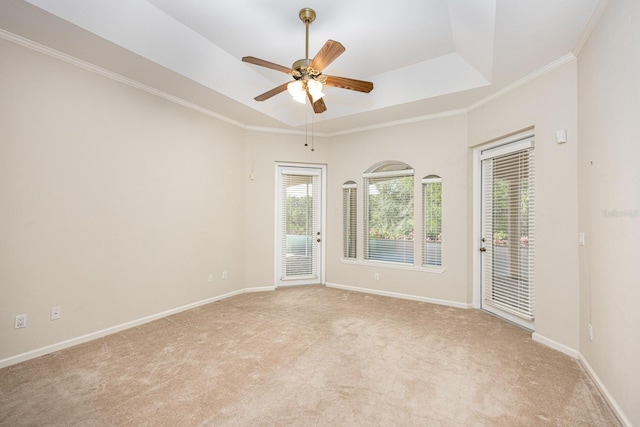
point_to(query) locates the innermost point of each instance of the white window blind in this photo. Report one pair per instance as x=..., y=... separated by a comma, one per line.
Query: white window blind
x=300, y=223
x=349, y=216
x=508, y=231
x=432, y=221
x=389, y=220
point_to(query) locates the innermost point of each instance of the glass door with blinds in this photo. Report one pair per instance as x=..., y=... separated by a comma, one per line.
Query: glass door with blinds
x=300, y=236
x=507, y=231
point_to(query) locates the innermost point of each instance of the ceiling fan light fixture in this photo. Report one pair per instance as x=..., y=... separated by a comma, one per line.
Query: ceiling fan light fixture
x=315, y=89
x=297, y=91
x=309, y=79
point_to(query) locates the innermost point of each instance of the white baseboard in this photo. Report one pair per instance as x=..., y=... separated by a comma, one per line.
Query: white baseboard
x=605, y=393
x=260, y=289
x=104, y=332
x=32, y=354
x=587, y=367
x=399, y=295
x=555, y=345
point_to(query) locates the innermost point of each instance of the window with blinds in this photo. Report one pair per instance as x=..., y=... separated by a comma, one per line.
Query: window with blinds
x=349, y=223
x=432, y=221
x=300, y=223
x=508, y=229
x=389, y=220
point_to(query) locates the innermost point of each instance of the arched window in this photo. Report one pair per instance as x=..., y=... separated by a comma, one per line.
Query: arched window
x=349, y=216
x=388, y=213
x=432, y=221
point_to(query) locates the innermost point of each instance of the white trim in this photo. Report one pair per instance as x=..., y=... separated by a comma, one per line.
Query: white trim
x=12, y=360
x=569, y=57
x=554, y=345
x=476, y=231
x=258, y=289
x=282, y=131
x=402, y=172
x=510, y=146
x=589, y=370
x=32, y=354
x=588, y=29
x=431, y=180
x=605, y=393
x=399, y=295
x=310, y=169
x=401, y=122
x=117, y=77
x=113, y=76
x=393, y=265
x=296, y=171
x=501, y=145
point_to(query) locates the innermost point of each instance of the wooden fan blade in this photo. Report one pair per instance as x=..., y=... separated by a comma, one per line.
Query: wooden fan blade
x=319, y=106
x=351, y=84
x=267, y=64
x=268, y=94
x=327, y=54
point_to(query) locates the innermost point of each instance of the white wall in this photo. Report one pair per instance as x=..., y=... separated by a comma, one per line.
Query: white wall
x=609, y=189
x=112, y=202
x=436, y=146
x=548, y=103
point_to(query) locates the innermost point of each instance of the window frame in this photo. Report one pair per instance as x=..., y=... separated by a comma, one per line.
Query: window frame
x=350, y=220
x=396, y=253
x=427, y=232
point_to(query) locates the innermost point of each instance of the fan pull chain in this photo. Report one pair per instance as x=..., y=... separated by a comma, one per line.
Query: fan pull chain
x=306, y=130
x=312, y=137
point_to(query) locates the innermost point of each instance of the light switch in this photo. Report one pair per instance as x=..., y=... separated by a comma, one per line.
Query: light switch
x=561, y=136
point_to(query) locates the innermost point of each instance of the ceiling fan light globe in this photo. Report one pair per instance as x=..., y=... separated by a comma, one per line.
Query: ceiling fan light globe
x=316, y=96
x=295, y=87
x=297, y=91
x=301, y=98
x=315, y=89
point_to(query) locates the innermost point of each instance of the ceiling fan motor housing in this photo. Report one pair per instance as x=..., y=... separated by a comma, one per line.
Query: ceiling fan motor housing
x=301, y=65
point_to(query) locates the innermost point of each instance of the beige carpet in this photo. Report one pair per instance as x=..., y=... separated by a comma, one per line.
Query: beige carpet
x=307, y=356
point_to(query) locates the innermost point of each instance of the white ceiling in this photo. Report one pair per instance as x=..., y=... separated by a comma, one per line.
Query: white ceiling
x=423, y=56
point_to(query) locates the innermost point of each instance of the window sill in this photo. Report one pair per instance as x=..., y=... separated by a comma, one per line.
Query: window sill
x=393, y=265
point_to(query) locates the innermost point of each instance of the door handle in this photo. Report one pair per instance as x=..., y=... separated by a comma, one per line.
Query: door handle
x=483, y=249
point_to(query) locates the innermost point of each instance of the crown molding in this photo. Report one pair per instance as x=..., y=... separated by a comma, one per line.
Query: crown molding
x=113, y=76
x=177, y=100
x=569, y=57
x=598, y=11
x=410, y=120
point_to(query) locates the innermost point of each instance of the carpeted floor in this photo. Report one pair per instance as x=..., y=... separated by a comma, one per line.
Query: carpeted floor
x=307, y=356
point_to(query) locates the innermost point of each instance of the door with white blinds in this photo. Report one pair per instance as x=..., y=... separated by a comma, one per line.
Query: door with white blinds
x=507, y=231
x=300, y=239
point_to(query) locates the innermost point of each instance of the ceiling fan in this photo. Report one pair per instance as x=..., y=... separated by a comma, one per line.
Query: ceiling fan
x=307, y=73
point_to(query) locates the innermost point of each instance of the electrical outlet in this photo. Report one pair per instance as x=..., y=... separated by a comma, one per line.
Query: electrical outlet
x=21, y=321
x=56, y=313
x=376, y=276
x=210, y=277
x=224, y=275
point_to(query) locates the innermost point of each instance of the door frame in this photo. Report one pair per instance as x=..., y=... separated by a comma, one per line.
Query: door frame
x=477, y=220
x=323, y=221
